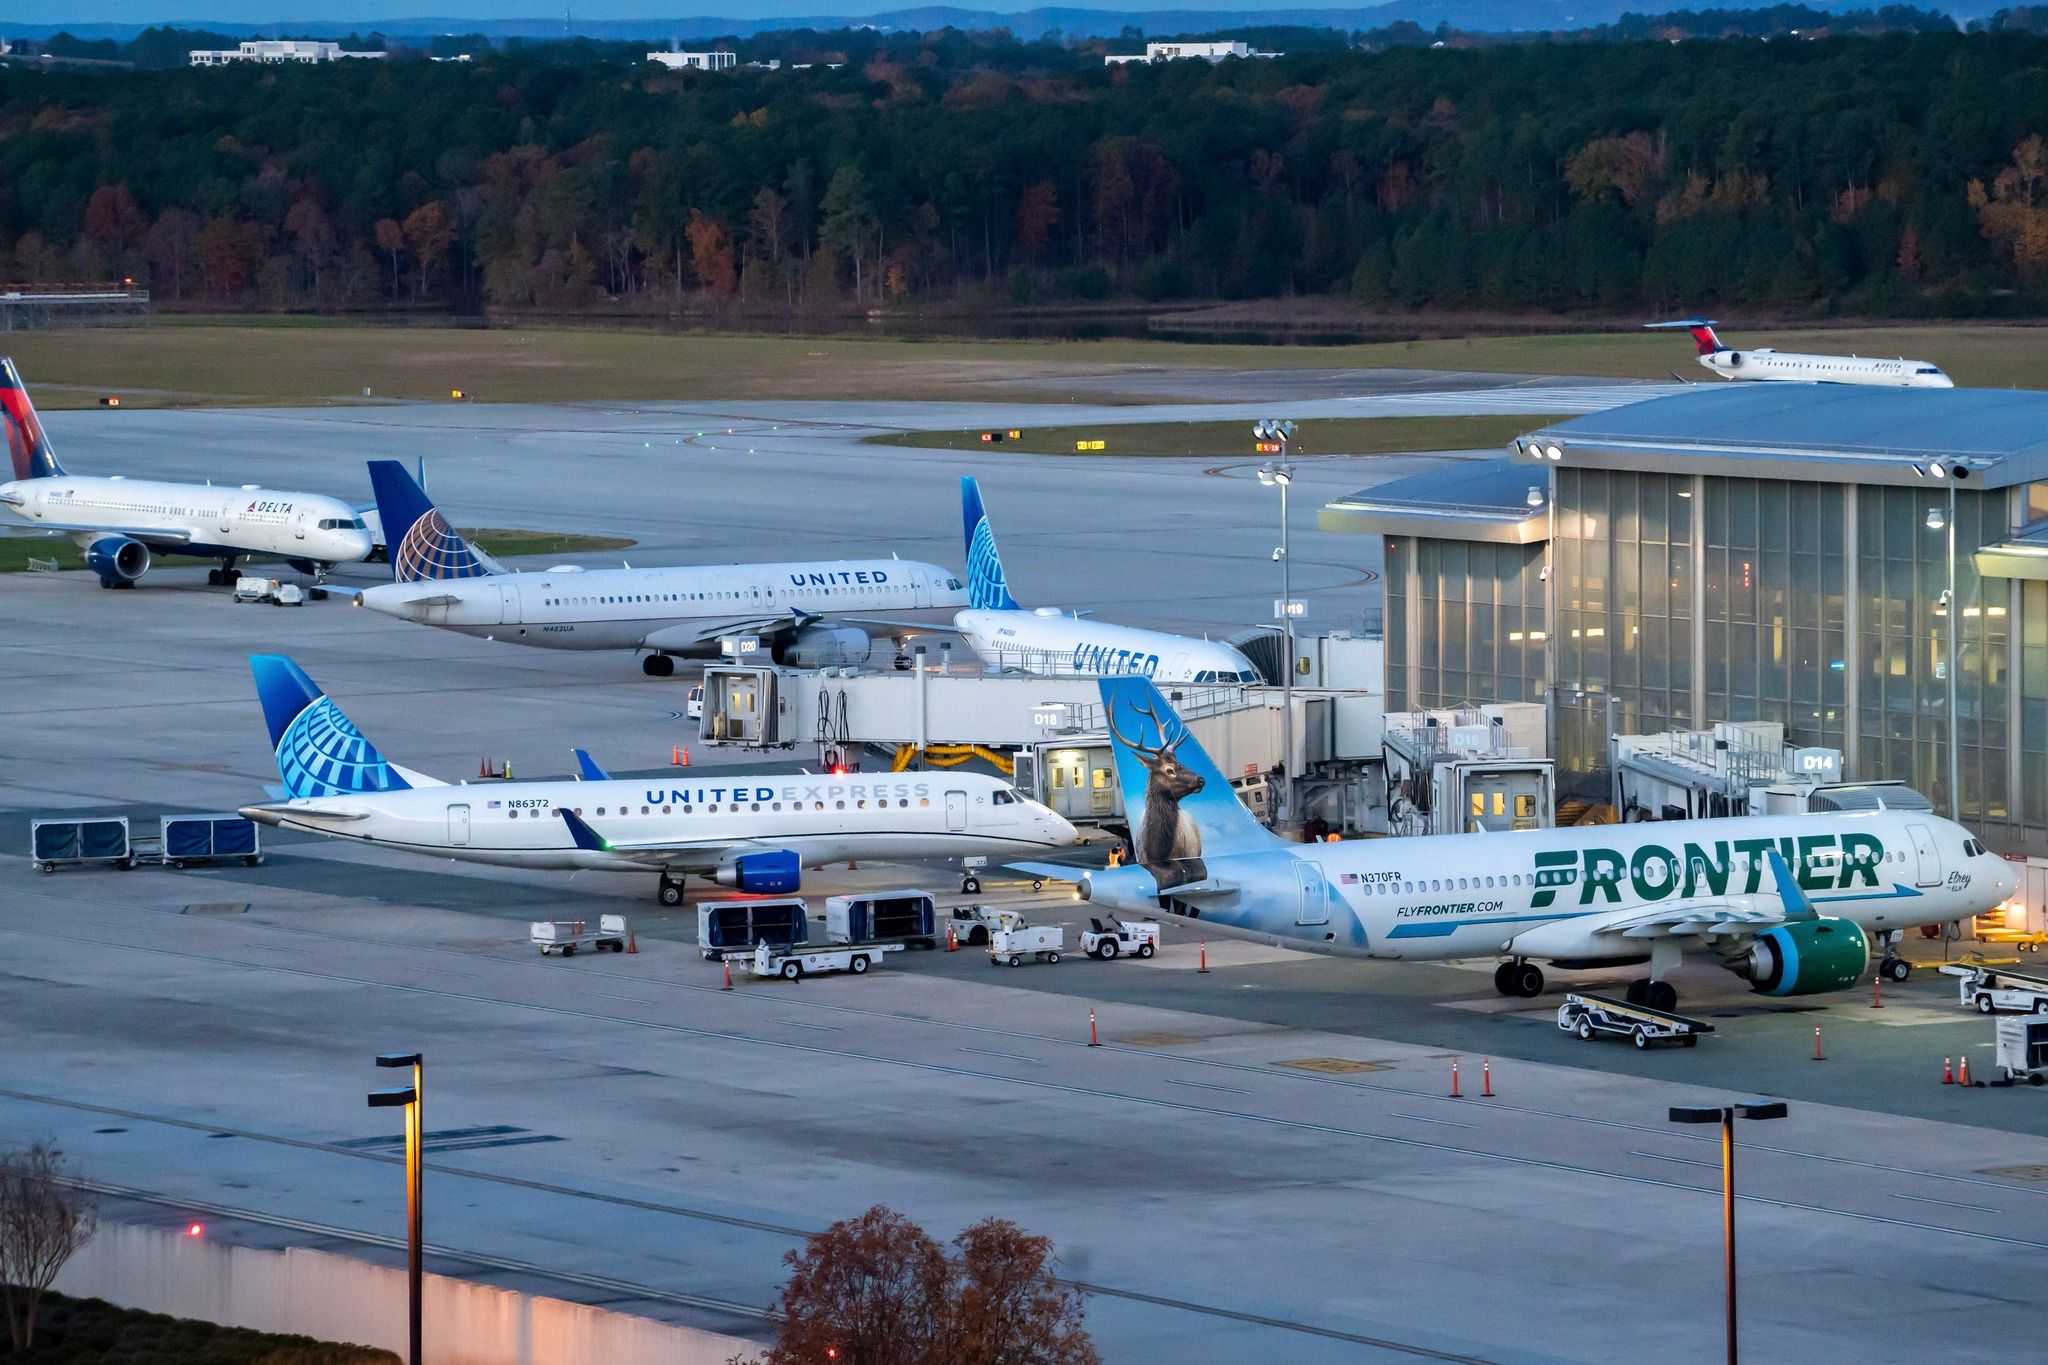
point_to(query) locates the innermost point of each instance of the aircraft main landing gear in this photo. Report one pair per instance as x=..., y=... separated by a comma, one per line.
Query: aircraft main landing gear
x=1656, y=995
x=671, y=892
x=658, y=666
x=1522, y=980
x=226, y=576
x=1895, y=969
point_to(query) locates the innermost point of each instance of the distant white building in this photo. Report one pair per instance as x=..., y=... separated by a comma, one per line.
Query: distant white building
x=696, y=61
x=278, y=51
x=1176, y=52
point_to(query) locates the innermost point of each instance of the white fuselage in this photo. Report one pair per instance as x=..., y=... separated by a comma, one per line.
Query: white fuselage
x=1826, y=369
x=1444, y=897
x=1053, y=644
x=209, y=520
x=701, y=821
x=667, y=609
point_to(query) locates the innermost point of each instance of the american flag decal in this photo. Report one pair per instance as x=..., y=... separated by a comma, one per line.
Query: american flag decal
x=493, y=805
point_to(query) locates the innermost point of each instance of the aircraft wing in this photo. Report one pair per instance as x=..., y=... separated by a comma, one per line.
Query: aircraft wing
x=659, y=852
x=690, y=633
x=914, y=627
x=155, y=537
x=1708, y=918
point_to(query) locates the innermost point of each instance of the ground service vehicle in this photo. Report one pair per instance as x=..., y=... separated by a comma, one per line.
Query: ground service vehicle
x=972, y=924
x=1586, y=1015
x=1042, y=941
x=1140, y=939
x=1993, y=990
x=2023, y=1049
x=565, y=936
x=796, y=962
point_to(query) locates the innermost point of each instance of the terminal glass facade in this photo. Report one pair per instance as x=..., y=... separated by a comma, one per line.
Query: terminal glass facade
x=1465, y=623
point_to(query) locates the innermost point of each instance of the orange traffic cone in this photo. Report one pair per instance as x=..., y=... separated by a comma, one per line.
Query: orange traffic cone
x=1486, y=1079
x=675, y=757
x=483, y=768
x=632, y=942
x=952, y=939
x=728, y=974
x=1948, y=1071
x=686, y=756
x=1454, y=1080
x=1963, y=1069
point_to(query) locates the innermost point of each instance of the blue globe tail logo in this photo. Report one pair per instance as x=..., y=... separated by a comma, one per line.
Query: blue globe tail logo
x=321, y=753
x=431, y=550
x=987, y=589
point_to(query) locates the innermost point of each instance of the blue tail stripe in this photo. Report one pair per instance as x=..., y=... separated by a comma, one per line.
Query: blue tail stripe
x=319, y=751
x=987, y=588
x=421, y=544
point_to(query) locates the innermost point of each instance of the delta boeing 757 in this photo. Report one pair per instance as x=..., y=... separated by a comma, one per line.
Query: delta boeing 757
x=1788, y=903
x=754, y=832
x=120, y=522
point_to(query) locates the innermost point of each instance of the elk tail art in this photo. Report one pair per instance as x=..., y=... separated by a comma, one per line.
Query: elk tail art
x=1183, y=810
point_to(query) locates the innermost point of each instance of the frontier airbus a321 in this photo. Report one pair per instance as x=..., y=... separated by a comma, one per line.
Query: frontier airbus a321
x=753, y=832
x=809, y=615
x=119, y=522
x=1788, y=903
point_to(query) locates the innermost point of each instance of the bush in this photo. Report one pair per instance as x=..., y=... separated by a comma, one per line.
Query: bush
x=1159, y=278
x=1089, y=282
x=94, y=1332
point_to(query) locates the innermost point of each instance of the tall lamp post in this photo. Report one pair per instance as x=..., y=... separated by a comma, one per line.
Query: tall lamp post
x=412, y=1099
x=1725, y=1115
x=1273, y=438
x=1951, y=473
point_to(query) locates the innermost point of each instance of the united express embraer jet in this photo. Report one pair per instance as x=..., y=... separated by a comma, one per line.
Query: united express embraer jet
x=1788, y=903
x=809, y=615
x=119, y=522
x=1806, y=369
x=753, y=832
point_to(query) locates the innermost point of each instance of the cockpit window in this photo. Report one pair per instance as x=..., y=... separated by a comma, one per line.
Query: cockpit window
x=954, y=584
x=1004, y=797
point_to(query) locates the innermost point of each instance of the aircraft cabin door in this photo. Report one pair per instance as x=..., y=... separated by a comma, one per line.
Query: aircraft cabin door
x=458, y=825
x=508, y=603
x=956, y=810
x=1315, y=899
x=299, y=526
x=1926, y=854
x=920, y=589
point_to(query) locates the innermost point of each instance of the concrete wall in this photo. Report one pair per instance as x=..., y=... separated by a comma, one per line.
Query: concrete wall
x=339, y=1298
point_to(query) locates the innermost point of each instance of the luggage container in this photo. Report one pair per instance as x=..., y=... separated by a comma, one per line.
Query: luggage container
x=2023, y=1049
x=735, y=928
x=189, y=839
x=882, y=917
x=58, y=843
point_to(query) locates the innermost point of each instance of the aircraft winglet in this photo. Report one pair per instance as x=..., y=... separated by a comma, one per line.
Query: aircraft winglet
x=587, y=769
x=1798, y=905
x=587, y=839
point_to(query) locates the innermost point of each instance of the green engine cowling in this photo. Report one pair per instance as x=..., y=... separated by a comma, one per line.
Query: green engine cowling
x=1807, y=957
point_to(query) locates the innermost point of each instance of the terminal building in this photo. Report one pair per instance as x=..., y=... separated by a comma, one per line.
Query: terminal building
x=1866, y=568
x=696, y=61
x=279, y=51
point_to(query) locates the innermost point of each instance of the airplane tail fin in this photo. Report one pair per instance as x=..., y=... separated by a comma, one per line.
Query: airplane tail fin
x=1702, y=330
x=319, y=750
x=422, y=545
x=987, y=589
x=1163, y=770
x=26, y=442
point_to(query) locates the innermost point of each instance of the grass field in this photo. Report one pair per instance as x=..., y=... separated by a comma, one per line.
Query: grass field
x=1214, y=440
x=500, y=542
x=17, y=551
x=301, y=361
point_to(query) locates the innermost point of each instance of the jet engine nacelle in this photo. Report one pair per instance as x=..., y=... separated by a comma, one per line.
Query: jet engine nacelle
x=1806, y=957
x=118, y=560
x=762, y=874
x=824, y=647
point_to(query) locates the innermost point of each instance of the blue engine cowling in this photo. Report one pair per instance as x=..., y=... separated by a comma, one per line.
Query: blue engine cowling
x=1807, y=957
x=762, y=874
x=118, y=560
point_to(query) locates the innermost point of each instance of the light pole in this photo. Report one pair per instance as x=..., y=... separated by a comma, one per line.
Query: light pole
x=1937, y=521
x=412, y=1099
x=1724, y=1114
x=1273, y=438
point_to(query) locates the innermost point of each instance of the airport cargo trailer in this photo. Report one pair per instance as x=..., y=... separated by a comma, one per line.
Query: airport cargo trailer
x=189, y=839
x=58, y=843
x=1041, y=941
x=1993, y=990
x=2023, y=1049
x=1587, y=1015
x=882, y=917
x=565, y=936
x=735, y=928
x=795, y=962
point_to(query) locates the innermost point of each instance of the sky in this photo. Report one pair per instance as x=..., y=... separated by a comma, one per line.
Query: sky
x=188, y=13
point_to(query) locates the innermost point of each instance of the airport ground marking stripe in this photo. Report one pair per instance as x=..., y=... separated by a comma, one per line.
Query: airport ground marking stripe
x=1179, y=1106
x=489, y=1260
x=1213, y=1062
x=603, y=1282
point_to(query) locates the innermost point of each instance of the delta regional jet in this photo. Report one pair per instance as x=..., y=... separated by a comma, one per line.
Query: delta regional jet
x=121, y=522
x=752, y=832
x=809, y=615
x=1788, y=903
x=1766, y=363
x=1050, y=642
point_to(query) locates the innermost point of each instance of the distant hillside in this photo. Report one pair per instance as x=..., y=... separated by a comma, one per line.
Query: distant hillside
x=1475, y=16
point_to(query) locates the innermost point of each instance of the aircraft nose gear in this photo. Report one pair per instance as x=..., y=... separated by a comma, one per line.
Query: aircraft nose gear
x=1518, y=979
x=970, y=885
x=671, y=892
x=1656, y=995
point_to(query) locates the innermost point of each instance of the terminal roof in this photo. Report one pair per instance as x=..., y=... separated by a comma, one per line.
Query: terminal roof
x=1830, y=433
x=1470, y=500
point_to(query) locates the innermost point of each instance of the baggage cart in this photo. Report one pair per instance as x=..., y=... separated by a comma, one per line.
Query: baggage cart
x=905, y=917
x=1116, y=939
x=795, y=962
x=1994, y=990
x=734, y=928
x=1040, y=941
x=209, y=838
x=1587, y=1015
x=2023, y=1049
x=70, y=841
x=565, y=936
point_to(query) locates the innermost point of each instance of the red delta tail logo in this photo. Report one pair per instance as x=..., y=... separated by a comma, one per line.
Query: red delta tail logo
x=27, y=447
x=1704, y=338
